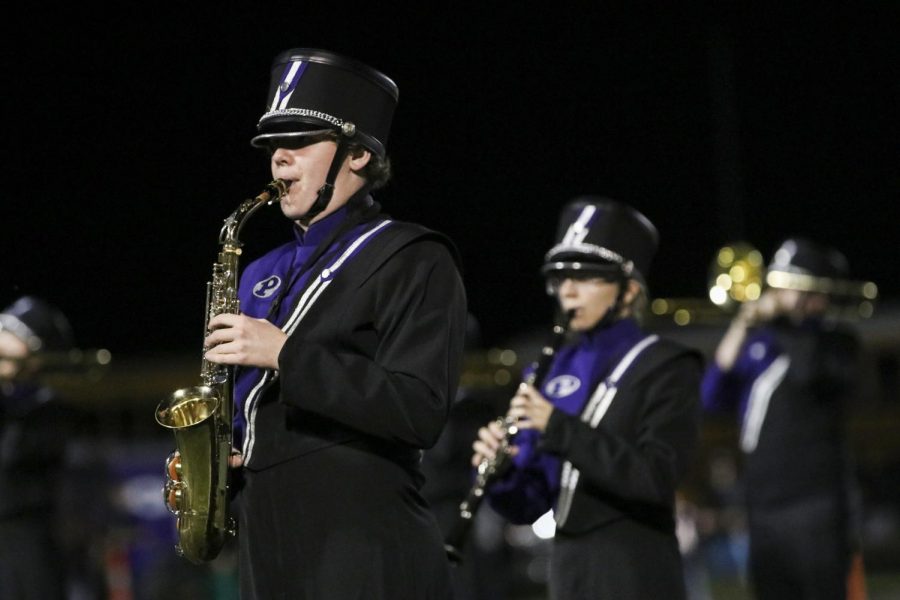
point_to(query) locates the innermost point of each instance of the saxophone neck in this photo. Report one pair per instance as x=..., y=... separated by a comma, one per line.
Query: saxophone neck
x=231, y=228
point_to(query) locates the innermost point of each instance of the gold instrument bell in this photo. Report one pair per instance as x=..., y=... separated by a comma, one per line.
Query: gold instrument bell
x=738, y=273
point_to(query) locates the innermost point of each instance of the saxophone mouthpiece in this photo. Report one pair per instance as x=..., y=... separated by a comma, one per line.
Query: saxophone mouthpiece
x=278, y=188
x=273, y=191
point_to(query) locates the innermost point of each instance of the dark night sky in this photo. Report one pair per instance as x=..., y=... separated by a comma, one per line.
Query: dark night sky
x=126, y=143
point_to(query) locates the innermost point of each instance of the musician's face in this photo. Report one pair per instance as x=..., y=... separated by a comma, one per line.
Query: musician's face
x=589, y=297
x=12, y=352
x=798, y=305
x=304, y=162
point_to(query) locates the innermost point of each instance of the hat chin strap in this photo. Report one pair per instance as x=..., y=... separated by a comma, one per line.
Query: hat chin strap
x=610, y=316
x=327, y=190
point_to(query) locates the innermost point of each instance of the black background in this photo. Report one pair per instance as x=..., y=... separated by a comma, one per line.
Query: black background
x=125, y=142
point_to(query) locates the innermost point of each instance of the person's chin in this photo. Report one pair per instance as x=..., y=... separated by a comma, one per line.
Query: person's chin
x=291, y=212
x=578, y=325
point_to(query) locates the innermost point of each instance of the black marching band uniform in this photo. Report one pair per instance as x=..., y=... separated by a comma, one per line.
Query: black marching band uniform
x=624, y=425
x=34, y=432
x=375, y=311
x=791, y=385
x=329, y=504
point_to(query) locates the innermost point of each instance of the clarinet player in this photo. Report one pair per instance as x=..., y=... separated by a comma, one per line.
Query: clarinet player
x=349, y=349
x=608, y=436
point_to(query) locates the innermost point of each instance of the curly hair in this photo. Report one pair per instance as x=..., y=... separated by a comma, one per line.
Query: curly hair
x=377, y=171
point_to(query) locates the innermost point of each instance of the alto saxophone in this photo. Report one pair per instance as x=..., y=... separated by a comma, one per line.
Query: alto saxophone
x=196, y=488
x=491, y=469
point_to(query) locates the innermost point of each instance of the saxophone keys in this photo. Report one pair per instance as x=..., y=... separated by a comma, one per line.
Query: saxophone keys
x=173, y=466
x=172, y=495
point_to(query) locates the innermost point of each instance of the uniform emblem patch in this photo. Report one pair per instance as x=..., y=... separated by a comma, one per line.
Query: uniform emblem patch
x=267, y=287
x=562, y=385
x=757, y=351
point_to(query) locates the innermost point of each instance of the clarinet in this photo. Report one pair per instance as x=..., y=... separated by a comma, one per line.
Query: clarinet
x=490, y=469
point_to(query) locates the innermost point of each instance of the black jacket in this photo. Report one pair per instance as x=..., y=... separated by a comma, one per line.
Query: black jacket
x=330, y=506
x=632, y=463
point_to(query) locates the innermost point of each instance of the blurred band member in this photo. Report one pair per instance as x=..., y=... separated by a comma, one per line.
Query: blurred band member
x=790, y=372
x=32, y=451
x=608, y=436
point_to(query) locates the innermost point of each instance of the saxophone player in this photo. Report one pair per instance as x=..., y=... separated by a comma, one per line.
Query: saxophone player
x=348, y=349
x=608, y=436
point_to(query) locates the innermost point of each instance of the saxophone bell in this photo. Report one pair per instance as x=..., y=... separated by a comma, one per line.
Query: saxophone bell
x=195, y=489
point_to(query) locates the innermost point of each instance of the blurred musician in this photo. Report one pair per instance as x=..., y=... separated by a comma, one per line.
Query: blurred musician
x=32, y=447
x=790, y=372
x=607, y=438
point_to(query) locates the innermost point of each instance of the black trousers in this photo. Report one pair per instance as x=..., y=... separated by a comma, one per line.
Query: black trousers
x=799, y=551
x=340, y=523
x=31, y=567
x=622, y=560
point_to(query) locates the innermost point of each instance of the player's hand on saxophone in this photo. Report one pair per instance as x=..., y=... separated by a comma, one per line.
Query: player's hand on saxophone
x=236, y=459
x=242, y=340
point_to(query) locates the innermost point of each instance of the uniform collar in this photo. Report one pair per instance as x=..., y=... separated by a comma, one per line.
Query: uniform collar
x=318, y=231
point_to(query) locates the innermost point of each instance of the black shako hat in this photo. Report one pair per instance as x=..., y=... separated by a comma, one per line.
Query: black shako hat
x=316, y=91
x=602, y=235
x=804, y=265
x=41, y=326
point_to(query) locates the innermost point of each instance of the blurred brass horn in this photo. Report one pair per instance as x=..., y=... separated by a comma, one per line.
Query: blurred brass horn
x=852, y=298
x=736, y=275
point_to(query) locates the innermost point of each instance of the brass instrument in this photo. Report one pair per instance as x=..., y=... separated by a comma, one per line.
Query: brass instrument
x=196, y=488
x=738, y=274
x=87, y=362
x=489, y=469
x=853, y=298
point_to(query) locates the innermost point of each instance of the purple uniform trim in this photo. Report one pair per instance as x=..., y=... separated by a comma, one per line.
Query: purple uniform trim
x=536, y=477
x=724, y=391
x=293, y=71
x=276, y=282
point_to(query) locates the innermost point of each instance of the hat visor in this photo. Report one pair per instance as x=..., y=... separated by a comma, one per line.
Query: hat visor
x=565, y=264
x=288, y=129
x=285, y=140
x=599, y=268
